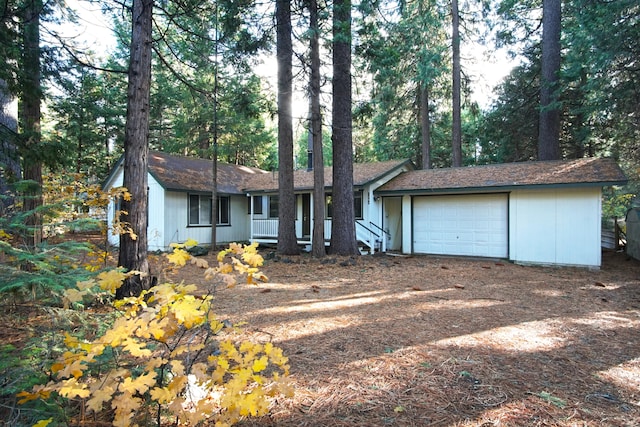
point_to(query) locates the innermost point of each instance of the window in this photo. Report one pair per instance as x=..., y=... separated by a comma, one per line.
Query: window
x=224, y=208
x=200, y=210
x=274, y=202
x=328, y=202
x=257, y=205
x=357, y=205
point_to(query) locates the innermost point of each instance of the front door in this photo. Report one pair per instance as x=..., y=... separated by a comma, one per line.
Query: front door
x=306, y=216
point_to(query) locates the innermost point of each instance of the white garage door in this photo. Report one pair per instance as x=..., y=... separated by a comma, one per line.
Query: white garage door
x=474, y=225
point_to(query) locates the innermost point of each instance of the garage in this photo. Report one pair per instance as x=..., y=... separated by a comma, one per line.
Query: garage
x=469, y=225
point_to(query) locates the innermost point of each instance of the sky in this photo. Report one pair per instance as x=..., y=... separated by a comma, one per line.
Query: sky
x=92, y=28
x=485, y=73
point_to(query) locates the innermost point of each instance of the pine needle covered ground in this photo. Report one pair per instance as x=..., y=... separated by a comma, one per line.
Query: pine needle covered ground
x=429, y=341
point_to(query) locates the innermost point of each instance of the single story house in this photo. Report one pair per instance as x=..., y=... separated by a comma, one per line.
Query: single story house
x=529, y=212
x=180, y=200
x=367, y=178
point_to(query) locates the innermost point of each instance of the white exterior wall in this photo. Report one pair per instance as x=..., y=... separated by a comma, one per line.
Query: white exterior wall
x=407, y=221
x=116, y=181
x=239, y=230
x=177, y=215
x=156, y=225
x=175, y=218
x=633, y=233
x=558, y=227
x=392, y=222
x=155, y=228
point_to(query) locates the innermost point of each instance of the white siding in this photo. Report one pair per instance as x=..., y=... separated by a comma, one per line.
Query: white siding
x=176, y=219
x=156, y=225
x=116, y=181
x=560, y=227
x=155, y=228
x=407, y=220
x=393, y=222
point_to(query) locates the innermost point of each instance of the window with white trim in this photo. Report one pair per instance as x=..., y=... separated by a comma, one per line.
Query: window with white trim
x=257, y=205
x=274, y=204
x=200, y=210
x=357, y=205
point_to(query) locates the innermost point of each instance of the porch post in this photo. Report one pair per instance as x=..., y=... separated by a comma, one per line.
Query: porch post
x=250, y=218
x=313, y=217
x=383, y=244
x=407, y=225
x=371, y=217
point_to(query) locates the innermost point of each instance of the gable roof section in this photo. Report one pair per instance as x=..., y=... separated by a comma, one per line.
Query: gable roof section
x=571, y=173
x=363, y=174
x=178, y=173
x=181, y=173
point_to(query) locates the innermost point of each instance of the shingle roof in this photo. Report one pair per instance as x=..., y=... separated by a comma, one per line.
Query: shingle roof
x=579, y=172
x=363, y=173
x=178, y=173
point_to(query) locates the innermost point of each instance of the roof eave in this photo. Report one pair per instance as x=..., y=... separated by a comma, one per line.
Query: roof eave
x=113, y=172
x=387, y=172
x=494, y=189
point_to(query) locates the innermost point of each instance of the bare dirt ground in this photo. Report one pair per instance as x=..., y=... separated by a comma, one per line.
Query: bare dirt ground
x=431, y=341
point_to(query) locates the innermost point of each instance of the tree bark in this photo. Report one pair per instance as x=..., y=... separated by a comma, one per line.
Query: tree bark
x=317, y=248
x=31, y=136
x=549, y=130
x=343, y=234
x=287, y=242
x=133, y=249
x=9, y=158
x=456, y=132
x=425, y=126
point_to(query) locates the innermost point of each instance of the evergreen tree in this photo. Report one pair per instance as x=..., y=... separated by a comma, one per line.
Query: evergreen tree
x=287, y=242
x=315, y=130
x=456, y=132
x=133, y=248
x=549, y=133
x=343, y=233
x=406, y=59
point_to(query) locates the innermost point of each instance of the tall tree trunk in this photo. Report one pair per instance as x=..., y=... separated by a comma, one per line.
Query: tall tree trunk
x=317, y=248
x=214, y=164
x=425, y=126
x=214, y=194
x=9, y=158
x=287, y=242
x=549, y=130
x=30, y=119
x=343, y=233
x=456, y=132
x=133, y=249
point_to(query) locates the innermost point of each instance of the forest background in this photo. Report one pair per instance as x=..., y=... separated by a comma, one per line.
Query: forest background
x=65, y=115
x=398, y=49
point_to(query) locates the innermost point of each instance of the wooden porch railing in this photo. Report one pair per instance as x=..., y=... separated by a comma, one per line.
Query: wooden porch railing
x=371, y=237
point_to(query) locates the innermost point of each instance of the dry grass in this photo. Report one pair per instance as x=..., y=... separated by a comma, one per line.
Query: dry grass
x=427, y=341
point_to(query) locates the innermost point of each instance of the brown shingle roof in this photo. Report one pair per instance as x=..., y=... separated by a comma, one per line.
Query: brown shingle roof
x=580, y=172
x=363, y=173
x=178, y=173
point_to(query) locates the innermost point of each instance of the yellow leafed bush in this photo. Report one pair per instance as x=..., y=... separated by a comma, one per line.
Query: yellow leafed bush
x=164, y=356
